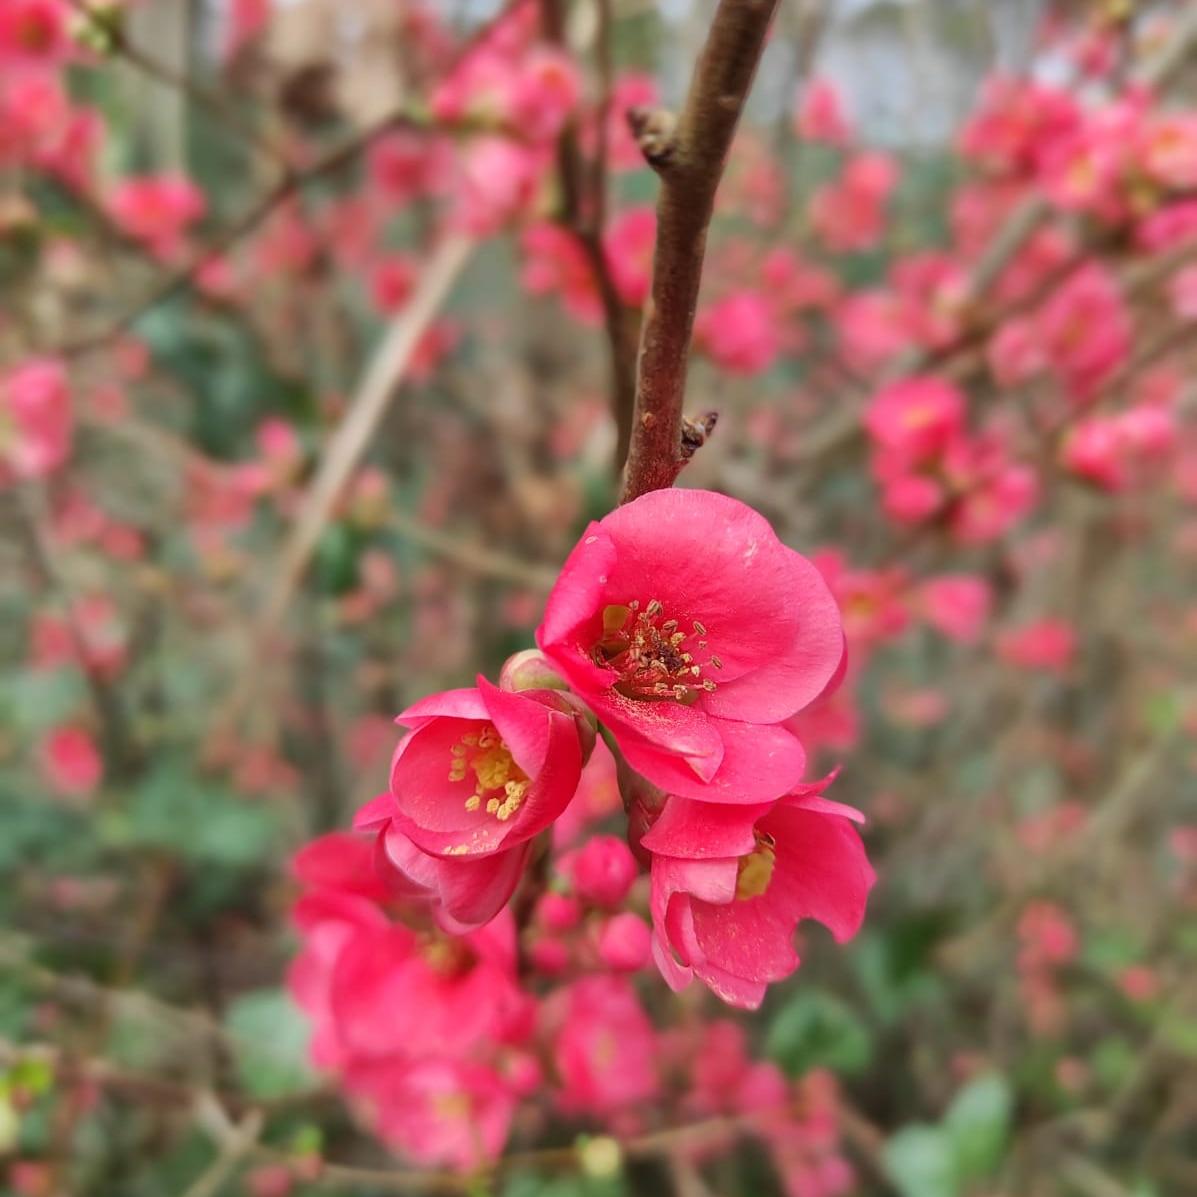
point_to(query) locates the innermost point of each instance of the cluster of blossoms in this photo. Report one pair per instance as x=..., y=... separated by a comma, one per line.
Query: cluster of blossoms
x=688, y=635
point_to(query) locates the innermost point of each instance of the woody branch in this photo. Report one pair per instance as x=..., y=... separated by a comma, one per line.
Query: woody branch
x=689, y=155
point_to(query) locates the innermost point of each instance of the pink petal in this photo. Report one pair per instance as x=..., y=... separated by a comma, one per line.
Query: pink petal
x=454, y=704
x=821, y=869
x=759, y=764
x=703, y=830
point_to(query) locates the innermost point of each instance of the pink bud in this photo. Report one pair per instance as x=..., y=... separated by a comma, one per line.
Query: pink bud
x=523, y=1073
x=603, y=870
x=558, y=912
x=549, y=957
x=625, y=943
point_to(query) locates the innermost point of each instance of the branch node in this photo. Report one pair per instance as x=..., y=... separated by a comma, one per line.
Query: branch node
x=655, y=131
x=696, y=431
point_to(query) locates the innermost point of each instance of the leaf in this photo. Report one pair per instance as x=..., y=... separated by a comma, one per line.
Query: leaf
x=201, y=821
x=816, y=1030
x=919, y=1160
x=978, y=1123
x=271, y=1036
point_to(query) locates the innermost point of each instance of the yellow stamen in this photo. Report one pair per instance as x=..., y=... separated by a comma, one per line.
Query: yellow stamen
x=755, y=871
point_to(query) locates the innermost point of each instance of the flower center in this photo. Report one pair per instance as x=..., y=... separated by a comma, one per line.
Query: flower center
x=499, y=783
x=755, y=871
x=652, y=654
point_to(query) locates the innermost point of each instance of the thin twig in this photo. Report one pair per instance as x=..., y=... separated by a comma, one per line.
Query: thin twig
x=384, y=373
x=689, y=158
x=236, y=1143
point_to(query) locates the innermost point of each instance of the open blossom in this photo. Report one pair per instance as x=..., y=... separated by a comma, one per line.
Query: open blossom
x=35, y=420
x=820, y=114
x=1047, y=644
x=957, y=605
x=628, y=243
x=33, y=33
x=70, y=761
x=604, y=1048
x=740, y=333
x=480, y=773
x=916, y=419
x=555, y=262
x=419, y=1027
x=849, y=213
x=731, y=883
x=157, y=209
x=691, y=632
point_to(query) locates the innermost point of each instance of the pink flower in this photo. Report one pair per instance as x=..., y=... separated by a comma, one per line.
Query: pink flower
x=35, y=420
x=1047, y=644
x=545, y=92
x=731, y=883
x=605, y=1047
x=438, y=1111
x=1093, y=450
x=957, y=605
x=739, y=333
x=498, y=180
x=391, y=281
x=691, y=631
x=628, y=245
x=481, y=773
x=404, y=165
x=820, y=115
x=1085, y=329
x=33, y=32
x=915, y=420
x=157, y=209
x=70, y=761
x=556, y=262
x=848, y=214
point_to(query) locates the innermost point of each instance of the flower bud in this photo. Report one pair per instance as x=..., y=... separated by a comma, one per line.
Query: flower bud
x=530, y=670
x=558, y=912
x=625, y=943
x=603, y=870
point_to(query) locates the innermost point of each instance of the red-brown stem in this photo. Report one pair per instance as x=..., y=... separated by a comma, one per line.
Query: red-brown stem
x=690, y=169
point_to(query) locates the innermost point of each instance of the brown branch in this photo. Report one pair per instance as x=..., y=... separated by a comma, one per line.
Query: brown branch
x=689, y=159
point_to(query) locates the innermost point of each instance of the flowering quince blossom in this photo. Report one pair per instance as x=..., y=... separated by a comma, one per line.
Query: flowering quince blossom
x=480, y=773
x=684, y=627
x=424, y=1030
x=35, y=420
x=691, y=632
x=157, y=209
x=730, y=884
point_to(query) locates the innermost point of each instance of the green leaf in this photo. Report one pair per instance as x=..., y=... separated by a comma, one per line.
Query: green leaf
x=199, y=820
x=271, y=1037
x=816, y=1030
x=978, y=1123
x=920, y=1162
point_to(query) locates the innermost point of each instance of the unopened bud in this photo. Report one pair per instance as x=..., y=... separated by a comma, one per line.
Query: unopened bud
x=530, y=670
x=601, y=1157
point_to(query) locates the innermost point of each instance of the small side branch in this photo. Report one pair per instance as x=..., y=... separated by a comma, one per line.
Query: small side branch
x=689, y=156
